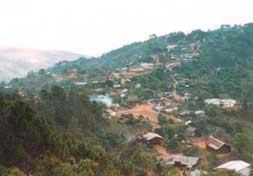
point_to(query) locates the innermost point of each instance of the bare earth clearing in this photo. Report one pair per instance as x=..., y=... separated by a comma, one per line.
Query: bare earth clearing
x=146, y=110
x=199, y=142
x=162, y=152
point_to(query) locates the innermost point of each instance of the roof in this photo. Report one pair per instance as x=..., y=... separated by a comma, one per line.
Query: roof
x=148, y=136
x=186, y=160
x=199, y=112
x=214, y=143
x=235, y=165
x=196, y=173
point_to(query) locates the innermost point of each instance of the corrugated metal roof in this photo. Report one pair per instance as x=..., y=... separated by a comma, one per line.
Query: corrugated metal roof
x=214, y=143
x=148, y=136
x=239, y=166
x=186, y=160
x=235, y=165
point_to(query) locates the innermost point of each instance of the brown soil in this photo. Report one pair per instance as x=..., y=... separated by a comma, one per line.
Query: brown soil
x=199, y=142
x=173, y=118
x=162, y=152
x=146, y=110
x=150, y=173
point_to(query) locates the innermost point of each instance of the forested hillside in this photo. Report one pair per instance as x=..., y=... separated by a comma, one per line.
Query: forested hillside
x=63, y=134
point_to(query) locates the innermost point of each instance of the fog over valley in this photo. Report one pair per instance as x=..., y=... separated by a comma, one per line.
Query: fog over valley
x=17, y=62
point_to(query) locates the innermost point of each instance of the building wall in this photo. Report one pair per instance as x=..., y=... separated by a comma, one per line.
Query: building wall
x=224, y=149
x=155, y=140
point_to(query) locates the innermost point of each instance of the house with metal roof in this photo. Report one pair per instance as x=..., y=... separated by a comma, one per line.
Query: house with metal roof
x=152, y=138
x=239, y=166
x=183, y=161
x=214, y=144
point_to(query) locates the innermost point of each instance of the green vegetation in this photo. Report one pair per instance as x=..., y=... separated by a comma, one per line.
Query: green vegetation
x=63, y=134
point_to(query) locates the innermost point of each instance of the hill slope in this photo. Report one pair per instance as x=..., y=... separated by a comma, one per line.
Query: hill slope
x=17, y=62
x=160, y=85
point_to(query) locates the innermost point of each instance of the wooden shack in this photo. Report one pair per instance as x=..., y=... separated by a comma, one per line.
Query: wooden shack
x=183, y=162
x=218, y=146
x=152, y=138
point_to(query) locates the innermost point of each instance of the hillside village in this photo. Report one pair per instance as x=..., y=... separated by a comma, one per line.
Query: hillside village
x=167, y=107
x=154, y=104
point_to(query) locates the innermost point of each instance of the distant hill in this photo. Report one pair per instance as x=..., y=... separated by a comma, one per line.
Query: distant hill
x=17, y=62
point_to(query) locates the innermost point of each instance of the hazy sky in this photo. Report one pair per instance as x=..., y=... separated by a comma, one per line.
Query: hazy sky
x=93, y=27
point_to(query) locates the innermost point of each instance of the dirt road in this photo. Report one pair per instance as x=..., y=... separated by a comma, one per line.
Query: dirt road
x=162, y=152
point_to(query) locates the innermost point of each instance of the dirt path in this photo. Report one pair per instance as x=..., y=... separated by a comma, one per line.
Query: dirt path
x=150, y=173
x=173, y=118
x=162, y=152
x=174, y=85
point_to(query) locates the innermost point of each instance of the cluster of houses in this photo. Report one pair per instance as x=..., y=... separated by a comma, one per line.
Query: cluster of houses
x=128, y=72
x=224, y=103
x=191, y=162
x=72, y=73
x=183, y=50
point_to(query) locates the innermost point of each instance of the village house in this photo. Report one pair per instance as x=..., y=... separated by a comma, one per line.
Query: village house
x=80, y=83
x=57, y=78
x=138, y=85
x=188, y=122
x=191, y=130
x=111, y=113
x=182, y=161
x=122, y=95
x=152, y=138
x=156, y=59
x=199, y=112
x=169, y=110
x=132, y=99
x=116, y=86
x=159, y=108
x=224, y=103
x=21, y=93
x=214, y=144
x=123, y=81
x=170, y=47
x=124, y=90
x=241, y=167
x=186, y=97
x=185, y=113
x=72, y=73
